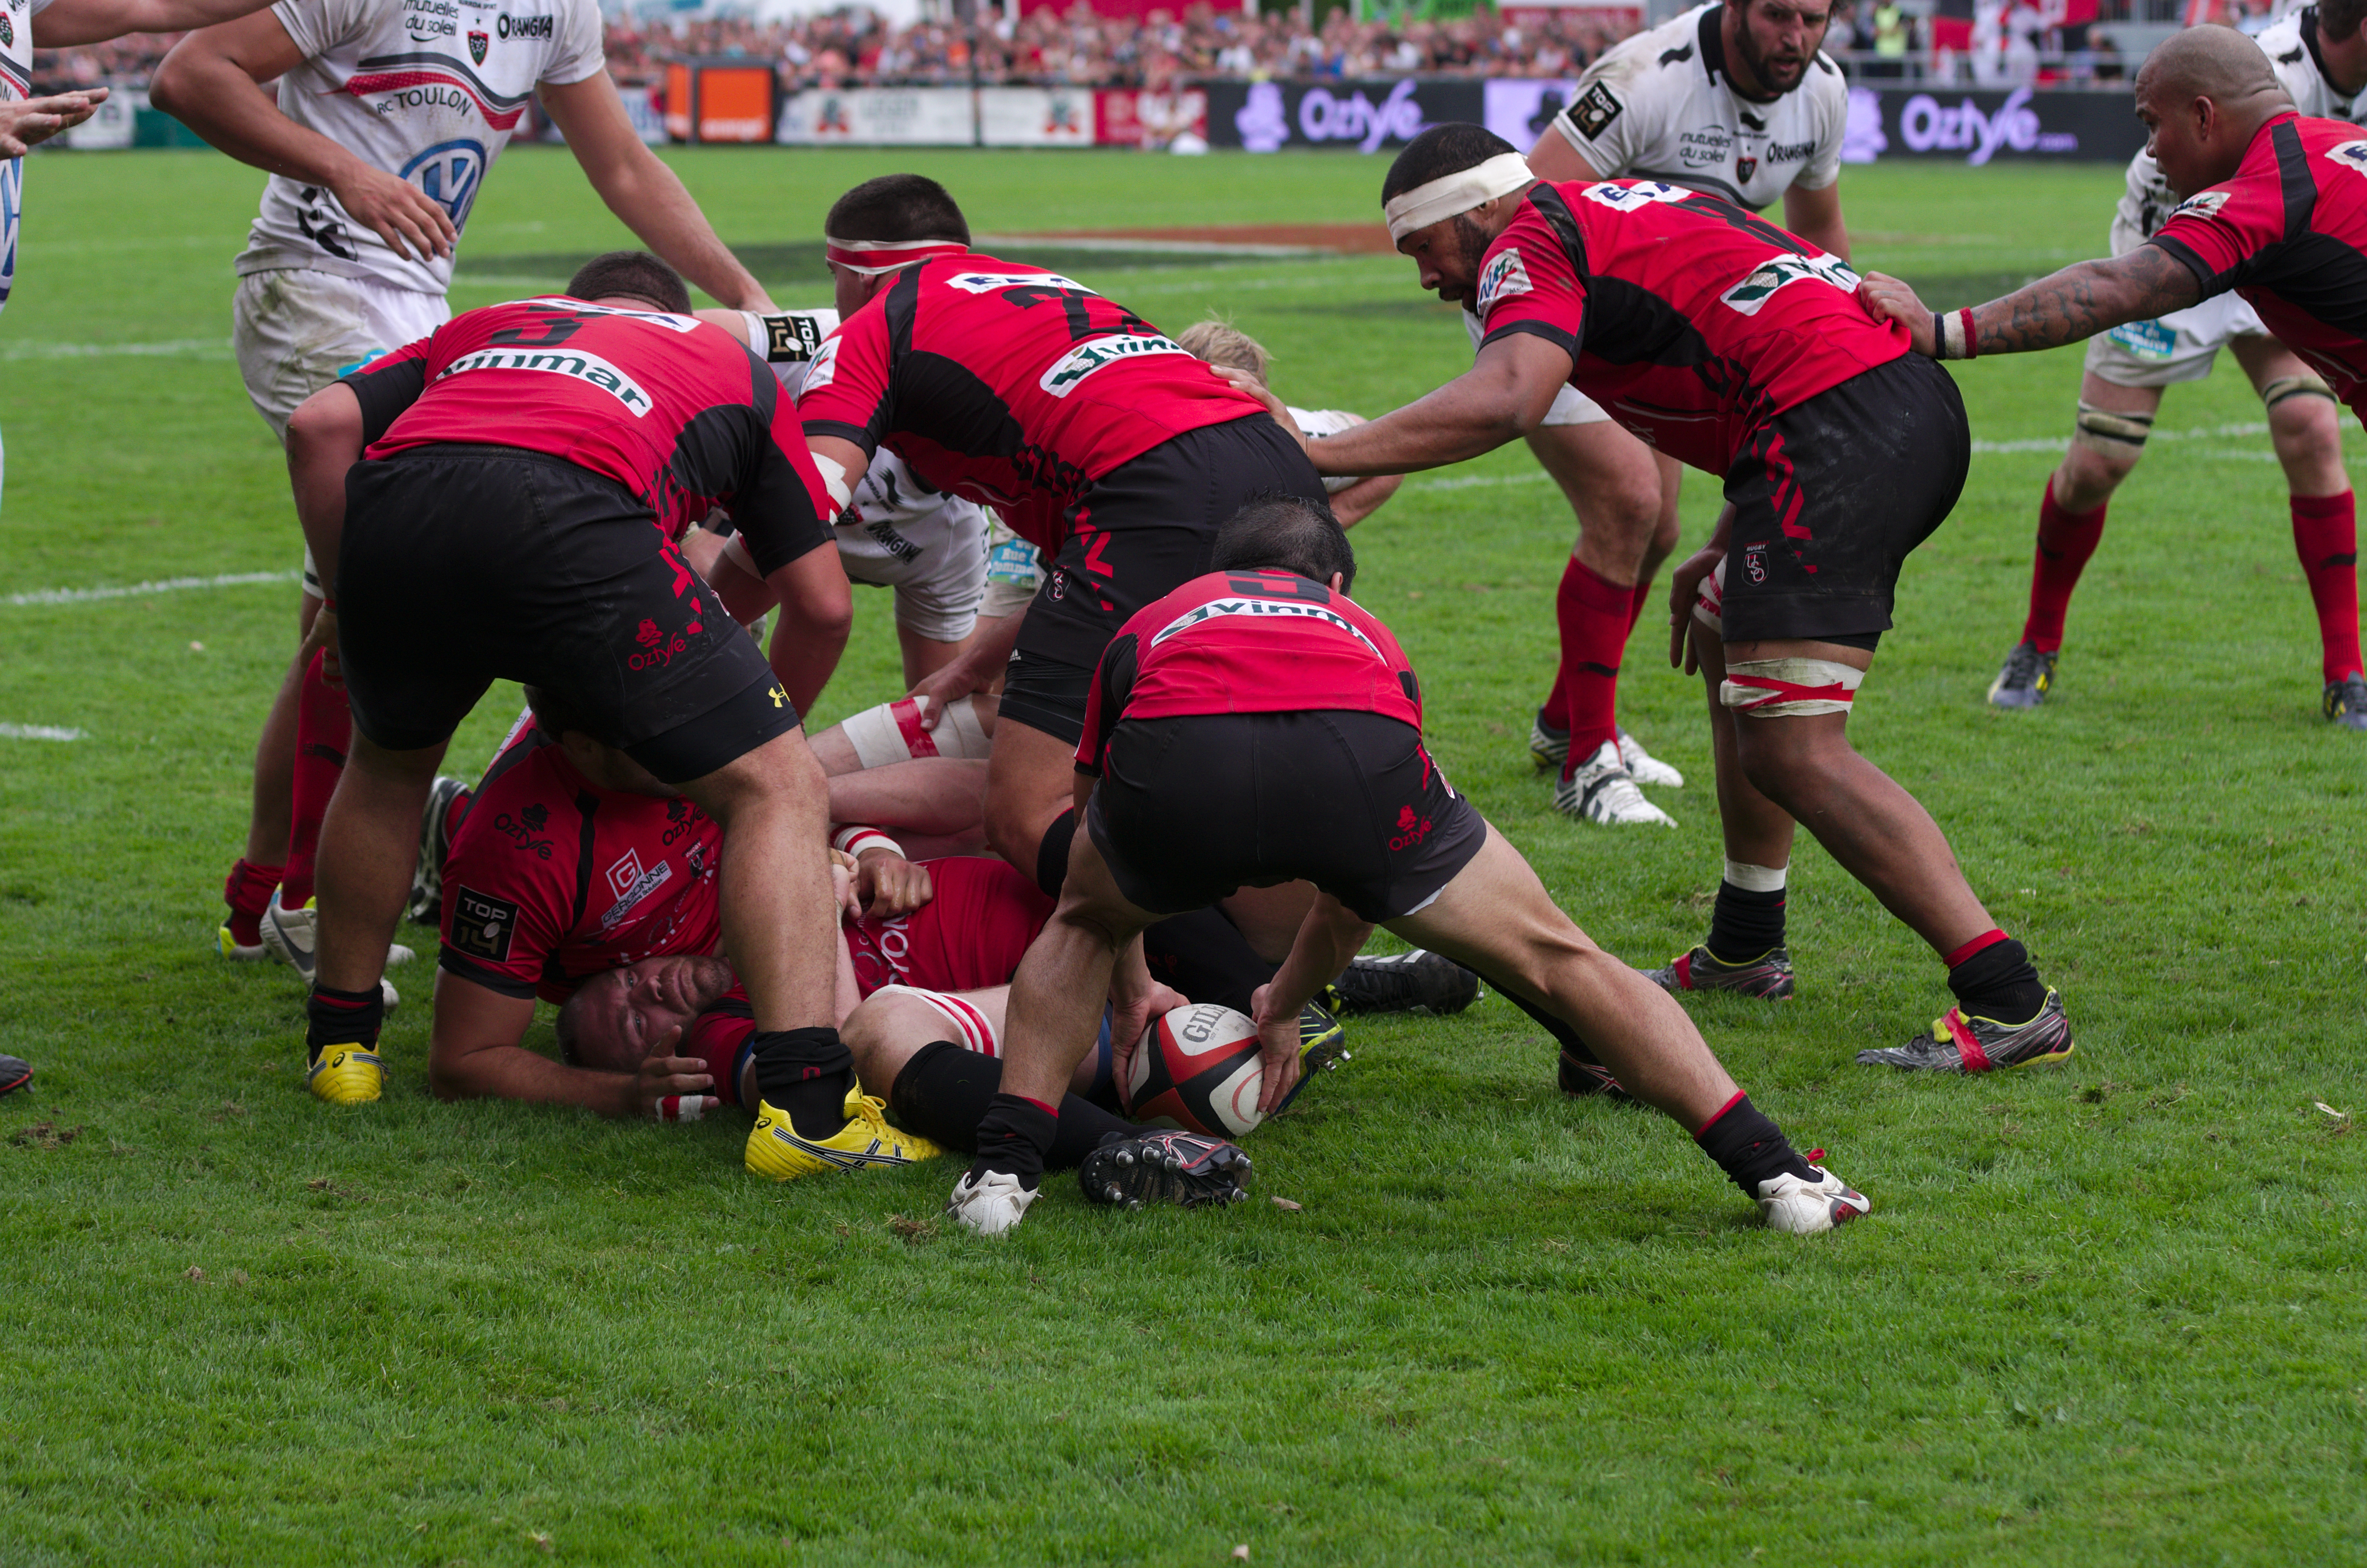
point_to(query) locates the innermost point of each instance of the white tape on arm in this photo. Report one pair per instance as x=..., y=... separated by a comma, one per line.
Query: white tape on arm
x=833, y=479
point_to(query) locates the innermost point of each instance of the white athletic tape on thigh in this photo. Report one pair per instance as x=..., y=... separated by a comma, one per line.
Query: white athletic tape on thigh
x=735, y=550
x=960, y=734
x=1709, y=602
x=1458, y=192
x=1789, y=688
x=890, y=732
x=1757, y=879
x=973, y=1030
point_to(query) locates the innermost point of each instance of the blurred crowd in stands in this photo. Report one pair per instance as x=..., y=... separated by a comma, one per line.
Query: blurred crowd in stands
x=852, y=47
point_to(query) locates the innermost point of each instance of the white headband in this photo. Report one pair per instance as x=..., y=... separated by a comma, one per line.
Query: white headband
x=1458, y=192
x=871, y=257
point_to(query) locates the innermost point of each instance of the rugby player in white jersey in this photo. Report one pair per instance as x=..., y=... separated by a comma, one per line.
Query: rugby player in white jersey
x=26, y=121
x=388, y=116
x=2319, y=55
x=1737, y=99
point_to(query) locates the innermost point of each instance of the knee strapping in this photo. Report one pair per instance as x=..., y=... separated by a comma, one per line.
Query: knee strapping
x=1789, y=688
x=2304, y=385
x=893, y=733
x=2114, y=435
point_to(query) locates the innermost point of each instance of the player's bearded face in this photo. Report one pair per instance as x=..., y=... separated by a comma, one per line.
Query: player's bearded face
x=1777, y=39
x=633, y=1008
x=1464, y=247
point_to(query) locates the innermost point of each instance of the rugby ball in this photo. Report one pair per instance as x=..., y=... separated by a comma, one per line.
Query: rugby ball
x=1196, y=1068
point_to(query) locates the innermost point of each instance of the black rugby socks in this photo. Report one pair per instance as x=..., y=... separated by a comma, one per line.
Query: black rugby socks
x=1993, y=978
x=342, y=1017
x=805, y=1074
x=1748, y=1147
x=1014, y=1136
x=1743, y=925
x=944, y=1092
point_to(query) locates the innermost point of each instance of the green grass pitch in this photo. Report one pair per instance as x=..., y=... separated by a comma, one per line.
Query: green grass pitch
x=2106, y=1313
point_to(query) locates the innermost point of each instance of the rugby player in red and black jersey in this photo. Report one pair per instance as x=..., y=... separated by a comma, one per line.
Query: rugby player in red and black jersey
x=2274, y=208
x=1256, y=726
x=528, y=470
x=1104, y=442
x=1735, y=347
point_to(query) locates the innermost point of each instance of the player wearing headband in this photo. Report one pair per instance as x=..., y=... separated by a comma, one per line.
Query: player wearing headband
x=1740, y=349
x=2319, y=55
x=1737, y=99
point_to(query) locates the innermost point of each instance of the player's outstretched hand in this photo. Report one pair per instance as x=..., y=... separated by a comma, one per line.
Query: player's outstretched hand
x=1135, y=1000
x=662, y=1074
x=28, y=122
x=1887, y=299
x=413, y=224
x=885, y=884
x=1277, y=1050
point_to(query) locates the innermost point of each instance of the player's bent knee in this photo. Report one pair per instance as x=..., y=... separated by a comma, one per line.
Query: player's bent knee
x=2117, y=437
x=2300, y=393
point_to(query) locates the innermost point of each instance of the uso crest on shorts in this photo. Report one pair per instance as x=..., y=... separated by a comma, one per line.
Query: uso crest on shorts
x=1595, y=109
x=1501, y=278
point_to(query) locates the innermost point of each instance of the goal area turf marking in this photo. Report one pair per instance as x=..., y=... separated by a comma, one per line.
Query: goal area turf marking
x=137, y=590
x=40, y=733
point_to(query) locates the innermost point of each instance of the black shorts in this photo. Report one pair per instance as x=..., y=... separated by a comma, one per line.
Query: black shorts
x=1829, y=498
x=1046, y=694
x=466, y=564
x=1144, y=529
x=1192, y=809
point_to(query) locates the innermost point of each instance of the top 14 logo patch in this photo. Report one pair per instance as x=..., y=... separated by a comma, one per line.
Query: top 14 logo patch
x=1503, y=278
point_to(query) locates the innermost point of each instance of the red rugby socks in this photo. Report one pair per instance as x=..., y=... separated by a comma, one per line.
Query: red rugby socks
x=248, y=893
x=2325, y=536
x=324, y=729
x=1594, y=614
x=2065, y=540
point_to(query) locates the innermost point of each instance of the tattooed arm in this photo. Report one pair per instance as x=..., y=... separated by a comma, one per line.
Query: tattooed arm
x=2079, y=301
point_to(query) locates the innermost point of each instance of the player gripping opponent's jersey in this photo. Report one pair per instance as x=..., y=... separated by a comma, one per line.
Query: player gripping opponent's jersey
x=2319, y=56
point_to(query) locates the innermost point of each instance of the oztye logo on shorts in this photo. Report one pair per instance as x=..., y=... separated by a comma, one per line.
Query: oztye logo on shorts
x=1503, y=278
x=1094, y=353
x=1752, y=293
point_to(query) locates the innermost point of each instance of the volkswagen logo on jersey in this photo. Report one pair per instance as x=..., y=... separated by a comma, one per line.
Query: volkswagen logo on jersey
x=449, y=173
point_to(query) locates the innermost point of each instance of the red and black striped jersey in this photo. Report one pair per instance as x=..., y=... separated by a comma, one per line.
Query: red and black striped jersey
x=677, y=412
x=2287, y=233
x=1262, y=641
x=1691, y=321
x=552, y=880
x=1009, y=385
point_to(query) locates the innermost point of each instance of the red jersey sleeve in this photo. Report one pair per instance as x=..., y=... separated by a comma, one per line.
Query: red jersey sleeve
x=1526, y=284
x=506, y=911
x=2215, y=232
x=845, y=394
x=388, y=384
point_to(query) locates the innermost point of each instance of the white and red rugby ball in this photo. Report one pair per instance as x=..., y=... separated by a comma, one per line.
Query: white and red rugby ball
x=1196, y=1068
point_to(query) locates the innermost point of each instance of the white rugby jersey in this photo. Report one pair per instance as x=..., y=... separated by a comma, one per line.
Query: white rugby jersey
x=428, y=90
x=2291, y=45
x=1316, y=423
x=15, y=82
x=1660, y=106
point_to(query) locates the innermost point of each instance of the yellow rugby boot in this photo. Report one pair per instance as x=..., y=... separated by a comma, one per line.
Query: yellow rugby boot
x=777, y=1153
x=347, y=1074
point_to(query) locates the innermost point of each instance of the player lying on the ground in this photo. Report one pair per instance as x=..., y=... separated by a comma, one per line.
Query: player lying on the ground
x=2274, y=210
x=1840, y=453
x=1221, y=343
x=1735, y=98
x=528, y=470
x=1254, y=726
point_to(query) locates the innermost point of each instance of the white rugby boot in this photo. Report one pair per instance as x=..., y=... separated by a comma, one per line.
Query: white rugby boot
x=1602, y=790
x=289, y=935
x=1800, y=1207
x=1644, y=767
x=990, y=1207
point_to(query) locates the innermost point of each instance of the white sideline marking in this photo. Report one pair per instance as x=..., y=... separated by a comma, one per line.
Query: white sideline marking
x=1469, y=480
x=2199, y=433
x=209, y=346
x=40, y=733
x=166, y=586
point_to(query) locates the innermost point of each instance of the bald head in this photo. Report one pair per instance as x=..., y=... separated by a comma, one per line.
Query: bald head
x=2214, y=63
x=2204, y=95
